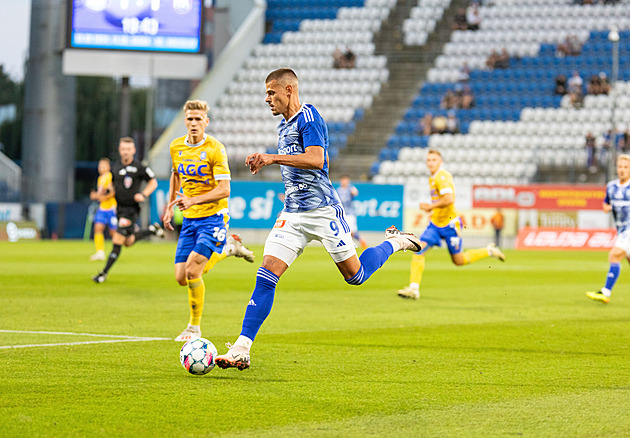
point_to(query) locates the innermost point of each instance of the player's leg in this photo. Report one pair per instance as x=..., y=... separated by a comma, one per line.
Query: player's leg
x=185, y=244
x=233, y=247
x=284, y=244
x=329, y=226
x=615, y=256
x=199, y=239
x=155, y=229
x=473, y=255
x=118, y=240
x=352, y=222
x=99, y=239
x=452, y=236
x=192, y=270
x=430, y=237
x=416, y=270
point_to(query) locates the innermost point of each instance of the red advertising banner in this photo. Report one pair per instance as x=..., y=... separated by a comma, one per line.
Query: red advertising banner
x=544, y=197
x=565, y=238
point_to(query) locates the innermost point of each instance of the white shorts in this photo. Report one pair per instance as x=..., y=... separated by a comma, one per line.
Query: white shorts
x=293, y=231
x=623, y=241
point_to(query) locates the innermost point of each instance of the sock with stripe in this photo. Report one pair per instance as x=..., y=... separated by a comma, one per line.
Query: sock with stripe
x=260, y=303
x=371, y=260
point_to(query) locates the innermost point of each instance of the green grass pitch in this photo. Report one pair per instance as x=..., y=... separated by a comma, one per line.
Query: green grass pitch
x=491, y=349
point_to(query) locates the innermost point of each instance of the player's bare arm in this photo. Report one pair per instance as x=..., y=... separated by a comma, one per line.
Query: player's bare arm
x=221, y=191
x=606, y=207
x=106, y=192
x=144, y=194
x=444, y=201
x=173, y=187
x=312, y=158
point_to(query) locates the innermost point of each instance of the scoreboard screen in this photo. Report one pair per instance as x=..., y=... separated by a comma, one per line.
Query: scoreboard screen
x=144, y=25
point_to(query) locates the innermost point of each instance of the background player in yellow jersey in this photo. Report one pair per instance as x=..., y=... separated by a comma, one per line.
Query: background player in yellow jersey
x=106, y=213
x=445, y=225
x=200, y=169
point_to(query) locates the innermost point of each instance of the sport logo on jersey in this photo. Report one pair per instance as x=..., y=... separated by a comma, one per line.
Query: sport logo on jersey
x=128, y=182
x=192, y=169
x=203, y=155
x=280, y=223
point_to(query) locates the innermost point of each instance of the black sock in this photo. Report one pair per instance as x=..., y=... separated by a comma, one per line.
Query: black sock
x=143, y=234
x=113, y=256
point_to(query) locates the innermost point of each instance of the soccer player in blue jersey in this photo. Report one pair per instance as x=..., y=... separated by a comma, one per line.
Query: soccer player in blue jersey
x=312, y=211
x=617, y=202
x=347, y=192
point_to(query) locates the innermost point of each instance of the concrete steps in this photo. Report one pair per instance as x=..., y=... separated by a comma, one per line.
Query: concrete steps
x=408, y=67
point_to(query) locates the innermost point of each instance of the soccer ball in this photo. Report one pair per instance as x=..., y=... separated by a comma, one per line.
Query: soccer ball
x=197, y=356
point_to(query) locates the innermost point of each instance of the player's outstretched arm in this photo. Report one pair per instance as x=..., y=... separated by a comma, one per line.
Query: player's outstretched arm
x=312, y=158
x=444, y=201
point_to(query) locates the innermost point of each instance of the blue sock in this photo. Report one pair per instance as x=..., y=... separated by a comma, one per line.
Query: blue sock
x=371, y=259
x=613, y=275
x=260, y=303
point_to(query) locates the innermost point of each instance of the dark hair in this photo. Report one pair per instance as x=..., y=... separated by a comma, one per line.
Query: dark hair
x=282, y=75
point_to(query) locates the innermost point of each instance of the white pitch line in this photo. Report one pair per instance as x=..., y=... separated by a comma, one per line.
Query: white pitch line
x=40, y=332
x=119, y=338
x=109, y=341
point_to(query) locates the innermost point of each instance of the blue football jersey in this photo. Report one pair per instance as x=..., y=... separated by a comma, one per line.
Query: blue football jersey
x=618, y=196
x=346, y=197
x=305, y=189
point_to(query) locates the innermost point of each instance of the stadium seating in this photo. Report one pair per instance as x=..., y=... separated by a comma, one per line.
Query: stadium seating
x=517, y=120
x=305, y=35
x=340, y=95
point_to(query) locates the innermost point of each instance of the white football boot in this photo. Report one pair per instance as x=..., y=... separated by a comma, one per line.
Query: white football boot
x=409, y=292
x=406, y=241
x=188, y=334
x=495, y=251
x=234, y=247
x=236, y=357
x=98, y=255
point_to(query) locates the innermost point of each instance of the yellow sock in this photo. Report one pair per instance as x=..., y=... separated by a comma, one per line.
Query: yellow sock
x=417, y=269
x=213, y=260
x=196, y=294
x=99, y=241
x=472, y=255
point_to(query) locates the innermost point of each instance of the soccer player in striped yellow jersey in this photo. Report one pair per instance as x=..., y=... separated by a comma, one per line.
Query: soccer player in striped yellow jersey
x=105, y=215
x=201, y=171
x=445, y=225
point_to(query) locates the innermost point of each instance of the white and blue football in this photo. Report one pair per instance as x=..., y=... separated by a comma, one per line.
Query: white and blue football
x=197, y=356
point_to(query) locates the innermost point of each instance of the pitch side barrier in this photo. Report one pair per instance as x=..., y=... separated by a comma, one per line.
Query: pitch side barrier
x=256, y=205
x=552, y=217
